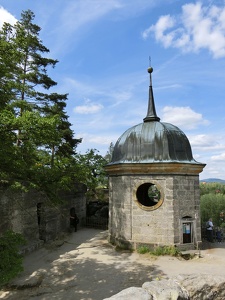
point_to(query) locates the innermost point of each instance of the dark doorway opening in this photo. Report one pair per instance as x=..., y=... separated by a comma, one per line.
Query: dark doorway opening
x=187, y=232
x=41, y=221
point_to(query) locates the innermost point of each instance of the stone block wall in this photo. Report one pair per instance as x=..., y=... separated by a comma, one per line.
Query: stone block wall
x=120, y=217
x=129, y=222
x=187, y=205
x=19, y=212
x=153, y=226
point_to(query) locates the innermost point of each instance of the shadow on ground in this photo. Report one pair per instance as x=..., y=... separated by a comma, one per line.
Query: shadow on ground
x=84, y=267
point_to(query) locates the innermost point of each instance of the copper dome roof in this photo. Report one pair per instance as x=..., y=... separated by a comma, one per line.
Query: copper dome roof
x=152, y=141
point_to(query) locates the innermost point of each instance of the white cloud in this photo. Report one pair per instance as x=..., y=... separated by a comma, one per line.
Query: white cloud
x=88, y=108
x=198, y=27
x=211, y=171
x=81, y=88
x=77, y=18
x=164, y=23
x=79, y=13
x=209, y=147
x=102, y=140
x=94, y=141
x=183, y=116
x=220, y=157
x=202, y=140
x=114, y=92
x=5, y=16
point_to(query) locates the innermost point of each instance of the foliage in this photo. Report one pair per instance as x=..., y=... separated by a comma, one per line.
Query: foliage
x=212, y=188
x=143, y=249
x=166, y=250
x=159, y=251
x=108, y=156
x=211, y=206
x=154, y=193
x=212, y=203
x=222, y=225
x=37, y=146
x=90, y=171
x=10, y=259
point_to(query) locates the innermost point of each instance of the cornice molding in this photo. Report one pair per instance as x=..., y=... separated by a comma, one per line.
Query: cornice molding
x=154, y=168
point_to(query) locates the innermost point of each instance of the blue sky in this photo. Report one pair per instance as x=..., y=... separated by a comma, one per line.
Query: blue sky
x=103, y=48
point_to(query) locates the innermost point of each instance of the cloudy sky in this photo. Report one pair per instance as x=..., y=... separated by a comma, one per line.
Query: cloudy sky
x=103, y=48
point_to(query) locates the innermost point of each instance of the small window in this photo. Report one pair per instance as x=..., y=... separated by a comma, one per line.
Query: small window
x=149, y=196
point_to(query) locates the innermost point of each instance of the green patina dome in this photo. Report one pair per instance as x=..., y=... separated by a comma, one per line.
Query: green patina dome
x=152, y=141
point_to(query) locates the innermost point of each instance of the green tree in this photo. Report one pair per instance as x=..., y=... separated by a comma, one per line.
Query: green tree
x=90, y=171
x=212, y=187
x=34, y=126
x=212, y=202
x=10, y=259
x=108, y=156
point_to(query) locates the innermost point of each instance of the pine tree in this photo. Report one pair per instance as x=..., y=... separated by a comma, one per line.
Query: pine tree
x=33, y=122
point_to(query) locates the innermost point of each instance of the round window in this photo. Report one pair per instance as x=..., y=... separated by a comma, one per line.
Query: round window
x=149, y=196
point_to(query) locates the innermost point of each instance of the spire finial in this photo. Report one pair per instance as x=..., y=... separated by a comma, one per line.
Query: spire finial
x=151, y=114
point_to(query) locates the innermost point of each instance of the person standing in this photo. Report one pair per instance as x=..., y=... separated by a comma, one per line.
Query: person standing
x=209, y=230
x=74, y=220
x=219, y=235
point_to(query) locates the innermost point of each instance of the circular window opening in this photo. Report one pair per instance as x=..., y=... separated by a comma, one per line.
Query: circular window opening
x=149, y=195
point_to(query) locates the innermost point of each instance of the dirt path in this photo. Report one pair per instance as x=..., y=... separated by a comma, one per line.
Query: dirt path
x=86, y=267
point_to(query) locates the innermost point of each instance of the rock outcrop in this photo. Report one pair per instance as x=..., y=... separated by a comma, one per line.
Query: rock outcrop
x=182, y=287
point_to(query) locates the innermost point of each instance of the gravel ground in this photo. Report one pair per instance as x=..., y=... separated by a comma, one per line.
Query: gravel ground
x=84, y=266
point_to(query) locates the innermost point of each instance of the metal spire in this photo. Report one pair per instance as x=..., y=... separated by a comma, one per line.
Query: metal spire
x=151, y=114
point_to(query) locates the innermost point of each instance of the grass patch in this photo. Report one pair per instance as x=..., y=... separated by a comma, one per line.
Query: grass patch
x=143, y=249
x=159, y=250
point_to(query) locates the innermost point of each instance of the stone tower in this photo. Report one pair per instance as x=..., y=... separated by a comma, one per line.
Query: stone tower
x=154, y=196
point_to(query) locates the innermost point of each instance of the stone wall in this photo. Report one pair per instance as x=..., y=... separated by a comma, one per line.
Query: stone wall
x=35, y=216
x=187, y=206
x=131, y=222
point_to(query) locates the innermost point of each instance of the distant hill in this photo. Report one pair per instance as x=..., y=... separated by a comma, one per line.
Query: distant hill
x=213, y=180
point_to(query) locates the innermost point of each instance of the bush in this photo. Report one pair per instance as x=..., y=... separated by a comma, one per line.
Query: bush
x=211, y=205
x=143, y=250
x=10, y=259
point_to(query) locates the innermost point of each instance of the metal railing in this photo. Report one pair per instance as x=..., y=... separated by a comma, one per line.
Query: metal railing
x=101, y=223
